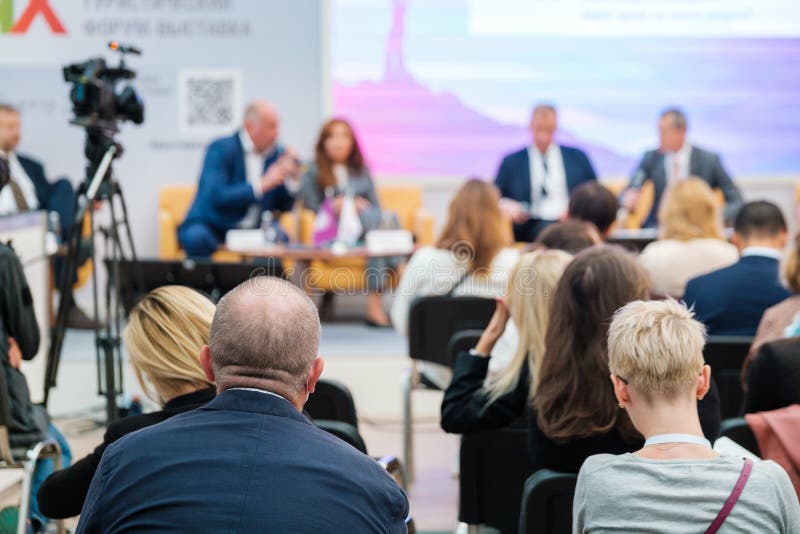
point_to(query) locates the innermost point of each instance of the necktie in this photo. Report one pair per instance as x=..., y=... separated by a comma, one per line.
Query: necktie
x=19, y=198
x=543, y=188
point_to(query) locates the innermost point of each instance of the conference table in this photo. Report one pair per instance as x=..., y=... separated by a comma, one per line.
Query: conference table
x=302, y=256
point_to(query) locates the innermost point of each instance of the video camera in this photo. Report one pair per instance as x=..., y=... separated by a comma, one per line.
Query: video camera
x=96, y=102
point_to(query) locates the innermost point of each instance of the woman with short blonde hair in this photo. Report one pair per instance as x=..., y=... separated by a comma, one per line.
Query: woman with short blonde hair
x=676, y=482
x=473, y=401
x=166, y=331
x=691, y=239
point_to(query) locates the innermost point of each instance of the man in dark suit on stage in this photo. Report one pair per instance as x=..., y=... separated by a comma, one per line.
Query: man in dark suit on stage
x=29, y=190
x=731, y=300
x=676, y=160
x=243, y=175
x=535, y=183
x=249, y=461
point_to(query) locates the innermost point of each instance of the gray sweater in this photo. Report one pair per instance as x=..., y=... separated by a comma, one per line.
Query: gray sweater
x=627, y=493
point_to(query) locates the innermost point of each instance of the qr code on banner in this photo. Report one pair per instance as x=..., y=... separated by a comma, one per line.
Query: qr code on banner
x=209, y=101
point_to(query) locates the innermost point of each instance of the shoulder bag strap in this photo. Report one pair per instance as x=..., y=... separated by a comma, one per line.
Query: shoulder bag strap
x=733, y=498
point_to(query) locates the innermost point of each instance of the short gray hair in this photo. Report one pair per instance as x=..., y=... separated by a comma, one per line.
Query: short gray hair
x=678, y=117
x=542, y=108
x=264, y=329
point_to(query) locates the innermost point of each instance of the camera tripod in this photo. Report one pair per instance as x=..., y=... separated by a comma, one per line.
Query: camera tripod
x=99, y=185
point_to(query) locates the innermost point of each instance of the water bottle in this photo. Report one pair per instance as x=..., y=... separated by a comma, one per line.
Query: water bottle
x=268, y=228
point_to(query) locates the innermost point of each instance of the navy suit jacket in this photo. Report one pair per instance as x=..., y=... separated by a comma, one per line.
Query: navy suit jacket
x=224, y=194
x=35, y=172
x=731, y=300
x=246, y=462
x=514, y=175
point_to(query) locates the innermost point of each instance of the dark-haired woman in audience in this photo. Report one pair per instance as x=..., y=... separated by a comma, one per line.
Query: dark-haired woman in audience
x=339, y=172
x=163, y=338
x=691, y=241
x=575, y=413
x=676, y=482
x=474, y=402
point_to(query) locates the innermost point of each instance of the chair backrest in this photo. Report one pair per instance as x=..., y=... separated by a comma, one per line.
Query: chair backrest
x=176, y=199
x=332, y=401
x=726, y=355
x=404, y=200
x=547, y=502
x=433, y=321
x=737, y=429
x=494, y=466
x=343, y=431
x=461, y=341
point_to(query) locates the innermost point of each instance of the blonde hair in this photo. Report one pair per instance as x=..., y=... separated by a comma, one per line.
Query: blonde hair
x=164, y=335
x=791, y=266
x=690, y=210
x=657, y=347
x=531, y=286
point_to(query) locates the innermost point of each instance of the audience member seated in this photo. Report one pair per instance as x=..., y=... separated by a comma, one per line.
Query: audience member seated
x=674, y=160
x=691, y=241
x=474, y=402
x=339, y=172
x=243, y=175
x=165, y=332
x=676, y=482
x=29, y=190
x=28, y=423
x=535, y=182
x=249, y=460
x=593, y=202
x=732, y=300
x=772, y=376
x=470, y=258
x=570, y=236
x=780, y=320
x=575, y=413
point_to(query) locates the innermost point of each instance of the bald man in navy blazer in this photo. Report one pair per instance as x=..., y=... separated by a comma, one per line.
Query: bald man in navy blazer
x=249, y=461
x=535, y=183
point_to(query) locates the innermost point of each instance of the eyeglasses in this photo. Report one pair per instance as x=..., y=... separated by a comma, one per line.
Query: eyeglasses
x=624, y=381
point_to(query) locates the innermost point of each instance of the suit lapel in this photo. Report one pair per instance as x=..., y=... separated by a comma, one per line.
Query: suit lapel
x=525, y=173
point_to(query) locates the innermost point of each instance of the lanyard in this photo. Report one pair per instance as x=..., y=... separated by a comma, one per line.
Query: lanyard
x=676, y=438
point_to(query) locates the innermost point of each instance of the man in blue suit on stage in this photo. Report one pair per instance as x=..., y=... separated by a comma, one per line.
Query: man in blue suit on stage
x=243, y=175
x=535, y=183
x=248, y=461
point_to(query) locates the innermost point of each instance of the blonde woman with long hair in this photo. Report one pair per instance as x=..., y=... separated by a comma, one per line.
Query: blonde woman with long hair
x=163, y=338
x=476, y=402
x=691, y=239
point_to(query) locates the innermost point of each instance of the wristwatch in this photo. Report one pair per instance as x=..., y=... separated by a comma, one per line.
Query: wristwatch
x=473, y=352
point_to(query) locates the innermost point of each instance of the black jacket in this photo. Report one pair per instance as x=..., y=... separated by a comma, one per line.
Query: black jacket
x=464, y=410
x=464, y=407
x=63, y=493
x=773, y=377
x=27, y=423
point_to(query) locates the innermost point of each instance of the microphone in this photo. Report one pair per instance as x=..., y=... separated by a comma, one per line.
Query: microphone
x=123, y=48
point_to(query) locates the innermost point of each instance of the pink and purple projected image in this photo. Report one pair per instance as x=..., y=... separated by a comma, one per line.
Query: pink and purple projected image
x=445, y=87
